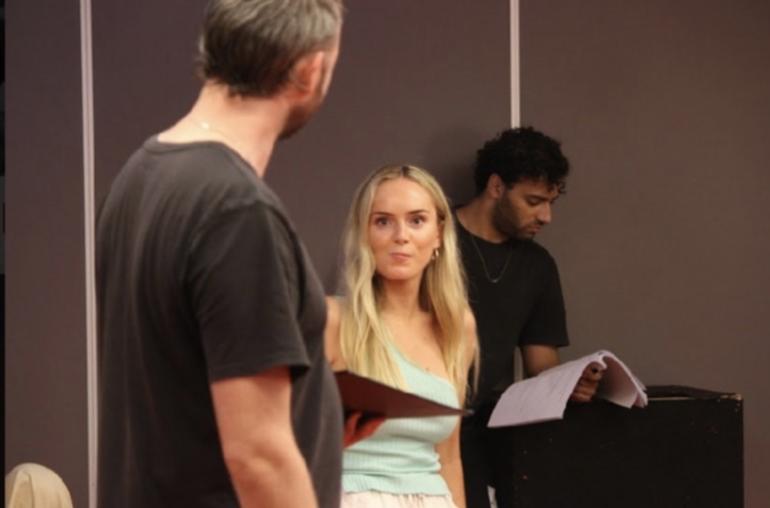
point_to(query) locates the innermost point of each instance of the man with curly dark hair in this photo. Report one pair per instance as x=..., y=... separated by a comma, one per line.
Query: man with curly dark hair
x=514, y=290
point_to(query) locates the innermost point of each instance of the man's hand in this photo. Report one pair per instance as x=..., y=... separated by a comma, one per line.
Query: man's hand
x=358, y=427
x=588, y=383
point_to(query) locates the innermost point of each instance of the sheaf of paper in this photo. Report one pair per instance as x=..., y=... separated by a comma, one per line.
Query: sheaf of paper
x=537, y=399
x=619, y=385
x=544, y=397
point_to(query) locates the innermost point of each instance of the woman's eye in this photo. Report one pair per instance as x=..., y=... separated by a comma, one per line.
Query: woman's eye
x=380, y=221
x=418, y=220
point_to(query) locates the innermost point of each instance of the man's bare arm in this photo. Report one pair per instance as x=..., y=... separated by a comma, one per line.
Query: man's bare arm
x=261, y=454
x=537, y=358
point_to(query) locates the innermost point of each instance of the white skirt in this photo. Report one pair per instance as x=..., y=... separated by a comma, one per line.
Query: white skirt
x=371, y=499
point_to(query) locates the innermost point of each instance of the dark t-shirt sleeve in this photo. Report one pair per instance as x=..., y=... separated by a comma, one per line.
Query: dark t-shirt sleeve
x=547, y=324
x=243, y=280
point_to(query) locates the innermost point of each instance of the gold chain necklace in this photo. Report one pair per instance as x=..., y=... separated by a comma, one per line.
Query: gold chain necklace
x=493, y=280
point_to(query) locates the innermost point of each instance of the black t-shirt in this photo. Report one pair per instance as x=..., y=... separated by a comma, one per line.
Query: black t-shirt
x=525, y=306
x=201, y=277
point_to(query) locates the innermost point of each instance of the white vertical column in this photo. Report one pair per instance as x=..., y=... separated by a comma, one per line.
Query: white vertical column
x=518, y=367
x=86, y=59
x=515, y=65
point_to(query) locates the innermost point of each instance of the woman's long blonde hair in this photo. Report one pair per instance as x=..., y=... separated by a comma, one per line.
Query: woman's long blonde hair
x=364, y=337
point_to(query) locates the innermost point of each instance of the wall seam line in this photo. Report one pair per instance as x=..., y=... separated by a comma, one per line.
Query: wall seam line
x=86, y=65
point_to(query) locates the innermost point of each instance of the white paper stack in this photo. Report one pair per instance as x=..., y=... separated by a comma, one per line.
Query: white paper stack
x=544, y=397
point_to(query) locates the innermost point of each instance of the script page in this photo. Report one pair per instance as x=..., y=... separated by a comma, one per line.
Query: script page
x=540, y=398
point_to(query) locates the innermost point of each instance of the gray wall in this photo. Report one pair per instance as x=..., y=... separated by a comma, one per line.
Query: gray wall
x=143, y=75
x=662, y=238
x=45, y=340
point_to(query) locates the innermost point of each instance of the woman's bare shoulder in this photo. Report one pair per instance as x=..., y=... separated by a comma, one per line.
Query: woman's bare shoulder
x=332, y=332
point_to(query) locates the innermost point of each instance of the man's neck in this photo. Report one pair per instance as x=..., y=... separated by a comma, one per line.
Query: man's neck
x=476, y=217
x=249, y=126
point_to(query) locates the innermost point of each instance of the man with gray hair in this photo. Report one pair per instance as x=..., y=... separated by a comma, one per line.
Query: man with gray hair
x=214, y=388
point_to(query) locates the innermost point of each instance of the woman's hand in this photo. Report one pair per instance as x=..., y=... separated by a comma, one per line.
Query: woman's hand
x=359, y=426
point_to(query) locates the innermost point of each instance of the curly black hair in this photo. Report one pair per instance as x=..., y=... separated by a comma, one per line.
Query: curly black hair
x=519, y=154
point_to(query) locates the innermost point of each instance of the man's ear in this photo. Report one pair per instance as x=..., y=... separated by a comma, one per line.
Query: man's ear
x=496, y=186
x=307, y=73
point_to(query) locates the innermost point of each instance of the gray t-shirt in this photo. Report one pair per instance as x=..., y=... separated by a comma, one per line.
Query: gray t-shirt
x=201, y=277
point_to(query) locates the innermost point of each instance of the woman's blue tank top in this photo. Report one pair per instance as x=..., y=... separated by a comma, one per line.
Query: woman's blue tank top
x=401, y=458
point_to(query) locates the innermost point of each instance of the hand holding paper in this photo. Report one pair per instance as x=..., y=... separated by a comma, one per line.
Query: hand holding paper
x=587, y=384
x=544, y=397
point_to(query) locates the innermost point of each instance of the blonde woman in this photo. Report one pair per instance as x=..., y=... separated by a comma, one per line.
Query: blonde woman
x=404, y=320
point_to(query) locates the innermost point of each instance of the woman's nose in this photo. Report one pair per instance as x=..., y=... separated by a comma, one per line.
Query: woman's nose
x=400, y=234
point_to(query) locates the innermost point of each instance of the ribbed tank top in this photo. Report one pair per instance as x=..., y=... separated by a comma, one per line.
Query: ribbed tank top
x=401, y=458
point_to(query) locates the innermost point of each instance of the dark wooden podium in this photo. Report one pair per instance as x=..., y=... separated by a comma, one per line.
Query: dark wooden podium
x=685, y=449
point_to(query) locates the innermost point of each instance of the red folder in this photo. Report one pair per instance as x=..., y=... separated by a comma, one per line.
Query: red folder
x=377, y=399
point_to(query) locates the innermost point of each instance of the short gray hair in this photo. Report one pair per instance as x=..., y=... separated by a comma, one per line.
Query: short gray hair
x=251, y=45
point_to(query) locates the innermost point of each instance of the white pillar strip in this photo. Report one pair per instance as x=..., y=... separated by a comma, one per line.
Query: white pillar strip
x=86, y=66
x=515, y=65
x=518, y=368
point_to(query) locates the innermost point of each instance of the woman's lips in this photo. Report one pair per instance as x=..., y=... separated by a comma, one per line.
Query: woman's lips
x=400, y=256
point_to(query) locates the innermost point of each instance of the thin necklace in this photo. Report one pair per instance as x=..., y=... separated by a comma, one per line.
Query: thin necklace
x=493, y=280
x=209, y=128
x=226, y=139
